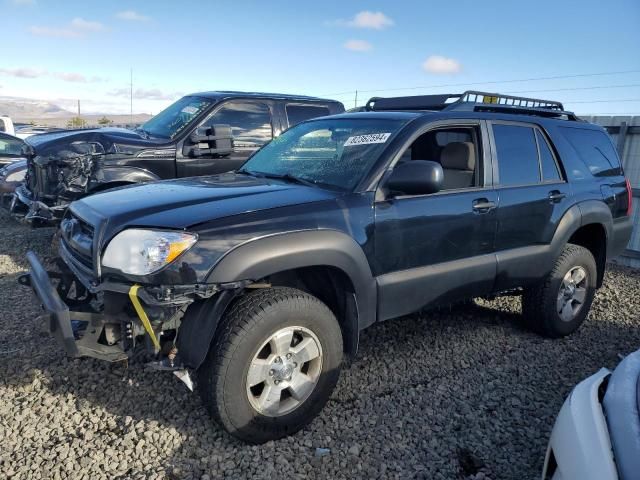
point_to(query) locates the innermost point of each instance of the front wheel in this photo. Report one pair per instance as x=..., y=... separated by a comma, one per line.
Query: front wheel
x=560, y=303
x=273, y=364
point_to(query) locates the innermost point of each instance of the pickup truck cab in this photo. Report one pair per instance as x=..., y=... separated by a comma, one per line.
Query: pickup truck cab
x=200, y=134
x=261, y=279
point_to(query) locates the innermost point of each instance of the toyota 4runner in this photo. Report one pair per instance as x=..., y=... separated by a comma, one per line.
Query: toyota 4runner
x=260, y=280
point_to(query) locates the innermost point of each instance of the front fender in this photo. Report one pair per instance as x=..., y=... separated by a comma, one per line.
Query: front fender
x=124, y=174
x=265, y=256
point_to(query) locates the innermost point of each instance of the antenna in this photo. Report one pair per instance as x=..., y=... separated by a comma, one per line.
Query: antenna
x=131, y=97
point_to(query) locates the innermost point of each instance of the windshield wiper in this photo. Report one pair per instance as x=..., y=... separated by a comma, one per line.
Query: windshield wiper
x=292, y=178
x=281, y=176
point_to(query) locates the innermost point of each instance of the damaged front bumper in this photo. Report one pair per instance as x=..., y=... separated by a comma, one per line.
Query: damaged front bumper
x=112, y=321
x=64, y=324
x=21, y=203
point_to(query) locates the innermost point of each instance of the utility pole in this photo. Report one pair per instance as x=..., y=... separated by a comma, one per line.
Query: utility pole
x=131, y=97
x=78, y=108
x=355, y=102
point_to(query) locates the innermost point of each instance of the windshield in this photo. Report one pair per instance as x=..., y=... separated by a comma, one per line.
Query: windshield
x=335, y=153
x=173, y=119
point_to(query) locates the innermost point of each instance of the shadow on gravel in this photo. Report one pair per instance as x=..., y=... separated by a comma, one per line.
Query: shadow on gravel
x=435, y=385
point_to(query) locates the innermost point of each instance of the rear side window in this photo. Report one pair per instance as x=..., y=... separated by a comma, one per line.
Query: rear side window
x=595, y=150
x=548, y=163
x=250, y=123
x=517, y=155
x=2, y=127
x=300, y=113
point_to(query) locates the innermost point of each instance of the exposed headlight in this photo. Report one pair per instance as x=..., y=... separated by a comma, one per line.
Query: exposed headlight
x=140, y=252
x=13, y=176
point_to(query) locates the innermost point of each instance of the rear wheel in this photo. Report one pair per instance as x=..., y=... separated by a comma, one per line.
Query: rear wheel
x=273, y=364
x=561, y=302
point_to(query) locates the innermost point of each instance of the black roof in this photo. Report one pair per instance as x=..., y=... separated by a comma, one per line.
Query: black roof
x=226, y=94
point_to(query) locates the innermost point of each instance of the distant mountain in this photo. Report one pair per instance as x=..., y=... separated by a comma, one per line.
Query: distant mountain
x=26, y=109
x=43, y=112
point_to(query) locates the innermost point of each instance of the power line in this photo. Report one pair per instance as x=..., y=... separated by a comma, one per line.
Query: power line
x=491, y=82
x=605, y=101
x=574, y=88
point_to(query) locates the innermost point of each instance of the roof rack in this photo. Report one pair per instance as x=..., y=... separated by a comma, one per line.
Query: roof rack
x=472, y=100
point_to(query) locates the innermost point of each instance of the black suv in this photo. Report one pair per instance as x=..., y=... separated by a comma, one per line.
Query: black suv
x=262, y=279
x=200, y=134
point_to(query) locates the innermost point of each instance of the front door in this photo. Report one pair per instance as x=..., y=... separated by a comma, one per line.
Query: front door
x=251, y=127
x=439, y=247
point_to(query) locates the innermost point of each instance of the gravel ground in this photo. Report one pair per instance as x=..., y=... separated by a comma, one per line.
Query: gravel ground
x=461, y=394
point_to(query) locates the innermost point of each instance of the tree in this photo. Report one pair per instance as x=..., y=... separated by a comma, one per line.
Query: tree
x=104, y=121
x=77, y=122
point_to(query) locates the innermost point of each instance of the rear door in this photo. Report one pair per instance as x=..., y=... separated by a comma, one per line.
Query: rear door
x=532, y=197
x=251, y=125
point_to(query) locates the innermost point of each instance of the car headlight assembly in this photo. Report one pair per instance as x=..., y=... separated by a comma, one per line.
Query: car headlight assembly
x=13, y=176
x=141, y=252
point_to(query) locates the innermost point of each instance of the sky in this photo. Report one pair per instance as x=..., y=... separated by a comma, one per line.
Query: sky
x=85, y=50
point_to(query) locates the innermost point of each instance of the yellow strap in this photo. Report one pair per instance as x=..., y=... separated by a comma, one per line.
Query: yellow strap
x=133, y=295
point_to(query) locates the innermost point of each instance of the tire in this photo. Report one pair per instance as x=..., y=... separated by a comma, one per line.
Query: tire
x=544, y=310
x=246, y=333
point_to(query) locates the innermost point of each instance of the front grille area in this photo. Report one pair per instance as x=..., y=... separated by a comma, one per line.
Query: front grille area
x=77, y=239
x=41, y=177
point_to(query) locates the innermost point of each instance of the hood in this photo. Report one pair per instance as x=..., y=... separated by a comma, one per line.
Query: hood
x=185, y=203
x=113, y=140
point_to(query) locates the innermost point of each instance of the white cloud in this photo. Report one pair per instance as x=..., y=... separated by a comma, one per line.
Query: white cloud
x=54, y=32
x=145, y=94
x=366, y=19
x=78, y=27
x=132, y=16
x=87, y=25
x=441, y=65
x=23, y=72
x=358, y=45
x=23, y=2
x=27, y=72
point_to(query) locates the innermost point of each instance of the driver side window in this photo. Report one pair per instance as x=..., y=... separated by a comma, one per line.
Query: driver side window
x=250, y=123
x=456, y=149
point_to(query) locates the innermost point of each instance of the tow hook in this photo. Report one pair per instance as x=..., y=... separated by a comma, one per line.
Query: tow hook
x=173, y=364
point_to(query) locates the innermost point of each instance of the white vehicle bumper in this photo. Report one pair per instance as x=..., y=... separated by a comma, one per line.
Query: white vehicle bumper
x=580, y=448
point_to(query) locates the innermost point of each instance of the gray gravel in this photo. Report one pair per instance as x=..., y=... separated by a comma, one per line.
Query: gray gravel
x=460, y=394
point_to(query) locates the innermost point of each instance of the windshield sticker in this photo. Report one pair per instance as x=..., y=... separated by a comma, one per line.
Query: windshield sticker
x=190, y=110
x=367, y=139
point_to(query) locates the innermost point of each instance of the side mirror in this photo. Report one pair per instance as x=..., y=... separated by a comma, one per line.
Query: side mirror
x=214, y=140
x=416, y=177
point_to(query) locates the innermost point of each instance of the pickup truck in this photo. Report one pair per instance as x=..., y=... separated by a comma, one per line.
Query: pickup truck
x=200, y=134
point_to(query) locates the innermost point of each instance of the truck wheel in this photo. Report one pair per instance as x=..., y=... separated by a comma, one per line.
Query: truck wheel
x=560, y=303
x=273, y=364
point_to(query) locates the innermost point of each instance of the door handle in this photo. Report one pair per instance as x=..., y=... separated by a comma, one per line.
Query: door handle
x=555, y=196
x=483, y=205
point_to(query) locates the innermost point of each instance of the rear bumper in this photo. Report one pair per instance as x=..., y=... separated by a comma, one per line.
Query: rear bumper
x=60, y=319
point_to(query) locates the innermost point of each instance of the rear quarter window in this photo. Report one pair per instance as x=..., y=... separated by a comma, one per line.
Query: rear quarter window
x=300, y=113
x=595, y=149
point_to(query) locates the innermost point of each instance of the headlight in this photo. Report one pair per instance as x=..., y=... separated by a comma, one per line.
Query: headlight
x=140, y=252
x=15, y=176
